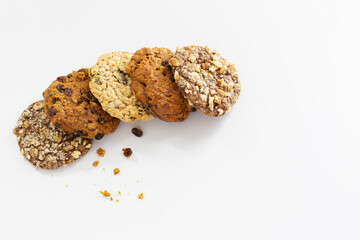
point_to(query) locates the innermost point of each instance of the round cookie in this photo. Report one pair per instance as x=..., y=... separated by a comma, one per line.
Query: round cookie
x=70, y=105
x=154, y=84
x=111, y=85
x=208, y=81
x=45, y=145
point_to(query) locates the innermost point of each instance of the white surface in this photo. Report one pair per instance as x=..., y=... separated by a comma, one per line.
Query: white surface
x=284, y=164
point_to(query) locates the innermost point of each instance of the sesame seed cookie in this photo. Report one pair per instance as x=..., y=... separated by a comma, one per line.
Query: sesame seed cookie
x=208, y=81
x=111, y=85
x=154, y=84
x=70, y=105
x=43, y=144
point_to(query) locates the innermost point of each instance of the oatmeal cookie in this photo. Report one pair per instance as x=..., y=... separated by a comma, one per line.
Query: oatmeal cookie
x=70, y=105
x=154, y=84
x=111, y=85
x=45, y=145
x=208, y=81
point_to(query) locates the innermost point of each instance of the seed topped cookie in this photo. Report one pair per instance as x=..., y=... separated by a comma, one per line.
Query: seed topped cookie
x=154, y=84
x=111, y=85
x=208, y=81
x=70, y=105
x=45, y=145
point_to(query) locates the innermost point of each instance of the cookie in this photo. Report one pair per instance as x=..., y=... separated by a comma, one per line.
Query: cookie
x=111, y=85
x=154, y=84
x=70, y=105
x=208, y=81
x=45, y=145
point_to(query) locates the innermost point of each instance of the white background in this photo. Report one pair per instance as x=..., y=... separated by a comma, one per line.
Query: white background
x=283, y=164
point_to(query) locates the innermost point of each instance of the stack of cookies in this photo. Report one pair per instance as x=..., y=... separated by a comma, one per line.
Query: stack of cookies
x=121, y=86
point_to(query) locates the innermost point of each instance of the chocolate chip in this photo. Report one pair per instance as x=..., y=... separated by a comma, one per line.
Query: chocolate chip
x=61, y=79
x=173, y=79
x=51, y=111
x=57, y=125
x=97, y=81
x=69, y=75
x=122, y=72
x=55, y=100
x=94, y=111
x=137, y=132
x=60, y=87
x=127, y=152
x=124, y=80
x=164, y=74
x=84, y=91
x=165, y=63
x=101, y=121
x=99, y=136
x=80, y=133
x=68, y=92
x=181, y=119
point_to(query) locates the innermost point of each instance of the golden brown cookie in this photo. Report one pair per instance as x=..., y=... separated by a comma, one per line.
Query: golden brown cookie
x=70, y=105
x=43, y=144
x=208, y=81
x=154, y=84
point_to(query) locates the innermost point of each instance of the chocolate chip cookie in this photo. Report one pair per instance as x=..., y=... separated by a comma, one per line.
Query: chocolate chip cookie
x=70, y=106
x=208, y=81
x=45, y=145
x=154, y=84
x=111, y=85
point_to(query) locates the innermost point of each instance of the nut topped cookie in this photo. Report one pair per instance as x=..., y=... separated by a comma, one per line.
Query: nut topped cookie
x=111, y=85
x=154, y=85
x=45, y=145
x=208, y=81
x=70, y=106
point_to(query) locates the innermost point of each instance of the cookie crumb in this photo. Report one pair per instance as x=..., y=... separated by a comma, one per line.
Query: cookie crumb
x=100, y=152
x=95, y=164
x=116, y=171
x=117, y=200
x=127, y=152
x=137, y=181
x=119, y=193
x=67, y=185
x=111, y=198
x=105, y=193
x=103, y=169
x=137, y=132
x=140, y=195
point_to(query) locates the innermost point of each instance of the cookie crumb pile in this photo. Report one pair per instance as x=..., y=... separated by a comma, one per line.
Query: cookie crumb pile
x=90, y=102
